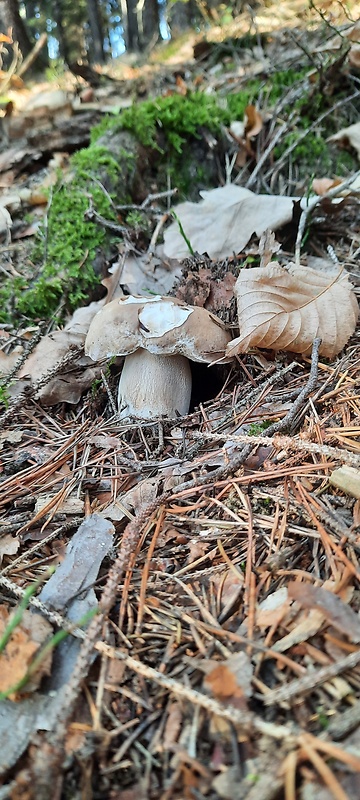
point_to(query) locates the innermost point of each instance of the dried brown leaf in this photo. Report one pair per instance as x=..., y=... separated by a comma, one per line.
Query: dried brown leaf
x=253, y=122
x=21, y=649
x=322, y=185
x=8, y=546
x=229, y=679
x=286, y=309
x=172, y=726
x=340, y=615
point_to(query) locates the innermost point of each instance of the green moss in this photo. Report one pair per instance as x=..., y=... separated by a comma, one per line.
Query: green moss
x=66, y=247
x=175, y=117
x=256, y=428
x=4, y=396
x=65, y=250
x=84, y=161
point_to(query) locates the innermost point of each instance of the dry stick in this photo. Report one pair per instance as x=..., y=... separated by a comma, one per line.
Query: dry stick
x=149, y=199
x=284, y=443
x=287, y=421
x=29, y=60
x=309, y=682
x=334, y=192
x=242, y=719
x=91, y=215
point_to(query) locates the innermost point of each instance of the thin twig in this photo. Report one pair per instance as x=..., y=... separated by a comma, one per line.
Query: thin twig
x=309, y=682
x=315, y=201
x=287, y=422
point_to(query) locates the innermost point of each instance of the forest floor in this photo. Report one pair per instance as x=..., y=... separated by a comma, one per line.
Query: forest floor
x=180, y=599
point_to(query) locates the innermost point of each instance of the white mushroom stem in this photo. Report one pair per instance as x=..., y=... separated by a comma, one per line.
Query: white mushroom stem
x=154, y=386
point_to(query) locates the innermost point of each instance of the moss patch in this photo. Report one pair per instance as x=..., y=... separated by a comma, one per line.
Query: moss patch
x=134, y=153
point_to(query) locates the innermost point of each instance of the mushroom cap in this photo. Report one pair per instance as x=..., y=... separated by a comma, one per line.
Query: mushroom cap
x=160, y=325
x=154, y=386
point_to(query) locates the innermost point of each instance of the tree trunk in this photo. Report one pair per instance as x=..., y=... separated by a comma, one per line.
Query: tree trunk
x=132, y=30
x=150, y=23
x=60, y=31
x=179, y=17
x=97, y=54
x=9, y=13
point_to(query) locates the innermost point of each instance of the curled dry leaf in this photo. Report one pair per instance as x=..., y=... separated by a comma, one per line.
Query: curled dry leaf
x=338, y=613
x=286, y=309
x=24, y=643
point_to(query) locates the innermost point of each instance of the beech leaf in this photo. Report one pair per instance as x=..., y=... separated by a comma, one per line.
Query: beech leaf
x=286, y=309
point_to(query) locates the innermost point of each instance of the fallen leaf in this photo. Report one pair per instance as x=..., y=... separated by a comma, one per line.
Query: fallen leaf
x=172, y=726
x=141, y=275
x=273, y=609
x=286, y=309
x=9, y=545
x=229, y=679
x=227, y=784
x=224, y=221
x=253, y=122
x=268, y=246
x=353, y=34
x=68, y=386
x=8, y=360
x=348, y=137
x=13, y=437
x=354, y=56
x=20, y=650
x=132, y=501
x=340, y=615
x=322, y=185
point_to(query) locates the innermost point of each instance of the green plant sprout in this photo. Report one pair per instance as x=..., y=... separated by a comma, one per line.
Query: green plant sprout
x=256, y=428
x=43, y=652
x=182, y=232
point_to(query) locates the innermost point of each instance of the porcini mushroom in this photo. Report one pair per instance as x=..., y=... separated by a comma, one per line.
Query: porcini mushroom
x=158, y=335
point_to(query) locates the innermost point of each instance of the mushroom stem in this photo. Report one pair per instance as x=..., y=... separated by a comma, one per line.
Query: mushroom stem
x=154, y=386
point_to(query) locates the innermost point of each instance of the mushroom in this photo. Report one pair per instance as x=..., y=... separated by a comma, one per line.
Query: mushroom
x=157, y=335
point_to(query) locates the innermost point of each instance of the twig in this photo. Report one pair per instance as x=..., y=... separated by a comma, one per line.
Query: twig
x=287, y=421
x=284, y=443
x=309, y=682
x=315, y=201
x=149, y=199
x=29, y=60
x=92, y=216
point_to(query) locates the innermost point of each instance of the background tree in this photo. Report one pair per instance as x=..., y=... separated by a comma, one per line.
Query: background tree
x=96, y=45
x=10, y=18
x=87, y=31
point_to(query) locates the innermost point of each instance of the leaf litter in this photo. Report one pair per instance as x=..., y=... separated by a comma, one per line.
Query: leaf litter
x=227, y=628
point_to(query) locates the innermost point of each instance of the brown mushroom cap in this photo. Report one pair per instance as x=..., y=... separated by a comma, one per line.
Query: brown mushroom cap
x=161, y=325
